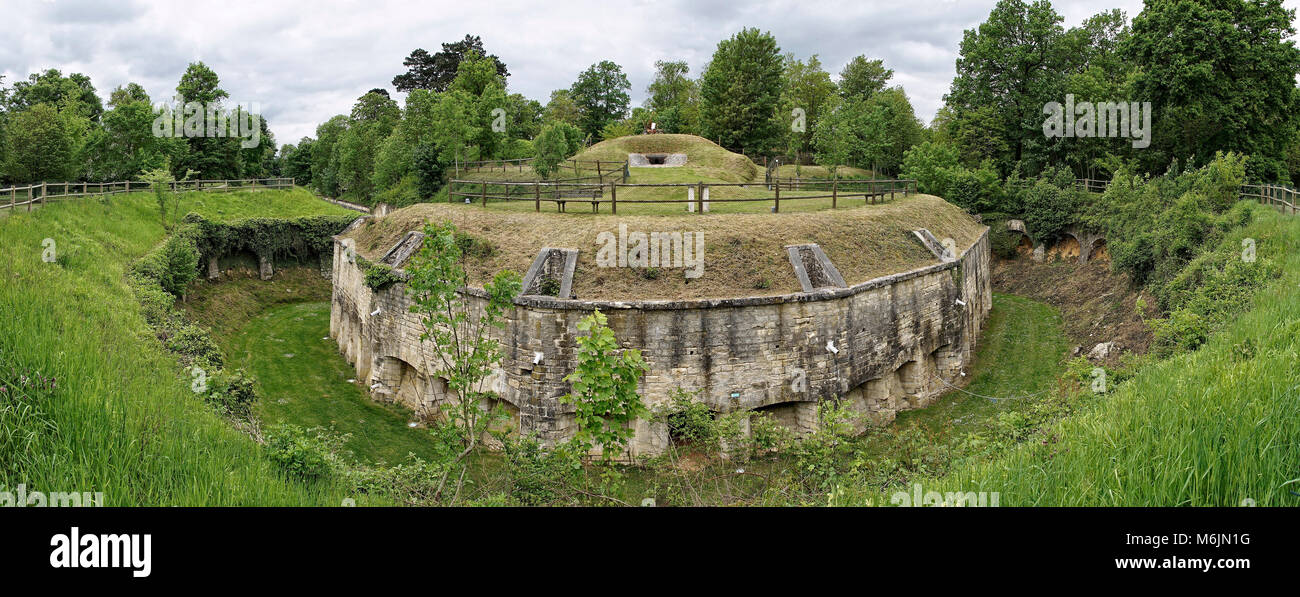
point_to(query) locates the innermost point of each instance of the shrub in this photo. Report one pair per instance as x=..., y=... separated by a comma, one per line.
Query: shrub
x=1048, y=209
x=978, y=191
x=931, y=164
x=540, y=476
x=306, y=453
x=232, y=395
x=429, y=170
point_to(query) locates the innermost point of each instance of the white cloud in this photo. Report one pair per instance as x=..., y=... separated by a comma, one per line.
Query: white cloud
x=303, y=62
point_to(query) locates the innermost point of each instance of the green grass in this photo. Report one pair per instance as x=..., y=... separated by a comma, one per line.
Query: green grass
x=122, y=419
x=1212, y=427
x=1019, y=360
x=302, y=379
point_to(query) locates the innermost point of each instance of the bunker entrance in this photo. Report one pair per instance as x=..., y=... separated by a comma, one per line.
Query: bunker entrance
x=656, y=159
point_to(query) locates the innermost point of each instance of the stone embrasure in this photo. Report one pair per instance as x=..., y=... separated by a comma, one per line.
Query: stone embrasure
x=656, y=160
x=885, y=345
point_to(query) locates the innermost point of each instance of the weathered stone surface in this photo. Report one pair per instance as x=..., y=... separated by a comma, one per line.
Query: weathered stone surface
x=900, y=341
x=1102, y=351
x=264, y=269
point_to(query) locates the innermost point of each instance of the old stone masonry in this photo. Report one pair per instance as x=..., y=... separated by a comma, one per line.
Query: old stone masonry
x=885, y=345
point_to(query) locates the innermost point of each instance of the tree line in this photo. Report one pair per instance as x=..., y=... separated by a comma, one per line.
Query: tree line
x=56, y=128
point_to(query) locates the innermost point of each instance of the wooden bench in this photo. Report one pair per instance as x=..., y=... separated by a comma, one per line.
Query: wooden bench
x=594, y=196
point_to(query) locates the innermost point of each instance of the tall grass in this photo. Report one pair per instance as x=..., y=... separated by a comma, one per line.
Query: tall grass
x=120, y=418
x=1213, y=427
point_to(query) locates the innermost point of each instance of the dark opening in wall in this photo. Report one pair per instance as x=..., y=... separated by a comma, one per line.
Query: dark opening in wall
x=656, y=159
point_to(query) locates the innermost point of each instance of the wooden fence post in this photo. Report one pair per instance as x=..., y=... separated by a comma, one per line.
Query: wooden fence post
x=699, y=198
x=13, y=199
x=613, y=197
x=776, y=205
x=484, y=193
x=44, y=192
x=537, y=196
x=835, y=191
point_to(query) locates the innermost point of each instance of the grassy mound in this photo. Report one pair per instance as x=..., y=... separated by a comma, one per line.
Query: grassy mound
x=119, y=417
x=705, y=160
x=744, y=253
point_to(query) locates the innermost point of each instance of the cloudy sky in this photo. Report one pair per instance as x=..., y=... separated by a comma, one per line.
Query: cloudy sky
x=303, y=62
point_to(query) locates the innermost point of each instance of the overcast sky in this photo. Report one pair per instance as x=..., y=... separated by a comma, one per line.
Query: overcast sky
x=303, y=62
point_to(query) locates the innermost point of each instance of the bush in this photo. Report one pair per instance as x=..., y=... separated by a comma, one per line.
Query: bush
x=977, y=191
x=540, y=476
x=232, y=395
x=931, y=164
x=429, y=170
x=1049, y=210
x=312, y=453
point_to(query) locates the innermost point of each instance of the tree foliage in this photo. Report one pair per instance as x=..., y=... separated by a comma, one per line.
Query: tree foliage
x=436, y=72
x=605, y=399
x=740, y=92
x=600, y=93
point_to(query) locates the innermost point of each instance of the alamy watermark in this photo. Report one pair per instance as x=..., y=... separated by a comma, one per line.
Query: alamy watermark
x=20, y=497
x=918, y=498
x=1127, y=120
x=197, y=119
x=652, y=250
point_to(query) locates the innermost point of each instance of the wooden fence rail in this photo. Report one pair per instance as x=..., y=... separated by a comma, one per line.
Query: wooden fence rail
x=604, y=169
x=41, y=193
x=1282, y=197
x=597, y=194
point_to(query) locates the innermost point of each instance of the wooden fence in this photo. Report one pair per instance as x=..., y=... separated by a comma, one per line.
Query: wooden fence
x=597, y=194
x=1281, y=197
x=604, y=169
x=40, y=193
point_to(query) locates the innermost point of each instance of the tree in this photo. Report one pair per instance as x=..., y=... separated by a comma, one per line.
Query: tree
x=436, y=71
x=1221, y=76
x=1009, y=68
x=740, y=92
x=930, y=164
x=373, y=119
x=124, y=145
x=295, y=161
x=429, y=169
x=674, y=98
x=74, y=93
x=552, y=146
x=604, y=395
x=460, y=331
x=862, y=78
x=324, y=158
x=600, y=94
x=833, y=139
x=209, y=156
x=562, y=108
x=40, y=145
x=201, y=84
x=806, y=87
x=132, y=92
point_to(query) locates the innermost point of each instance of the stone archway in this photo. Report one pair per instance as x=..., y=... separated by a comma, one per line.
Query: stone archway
x=1067, y=247
x=1099, y=251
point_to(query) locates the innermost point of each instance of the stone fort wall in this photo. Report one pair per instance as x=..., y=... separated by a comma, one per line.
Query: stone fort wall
x=899, y=342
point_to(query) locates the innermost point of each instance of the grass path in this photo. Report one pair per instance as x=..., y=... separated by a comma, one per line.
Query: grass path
x=303, y=380
x=1019, y=359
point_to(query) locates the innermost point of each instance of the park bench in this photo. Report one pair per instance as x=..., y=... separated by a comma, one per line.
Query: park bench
x=592, y=195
